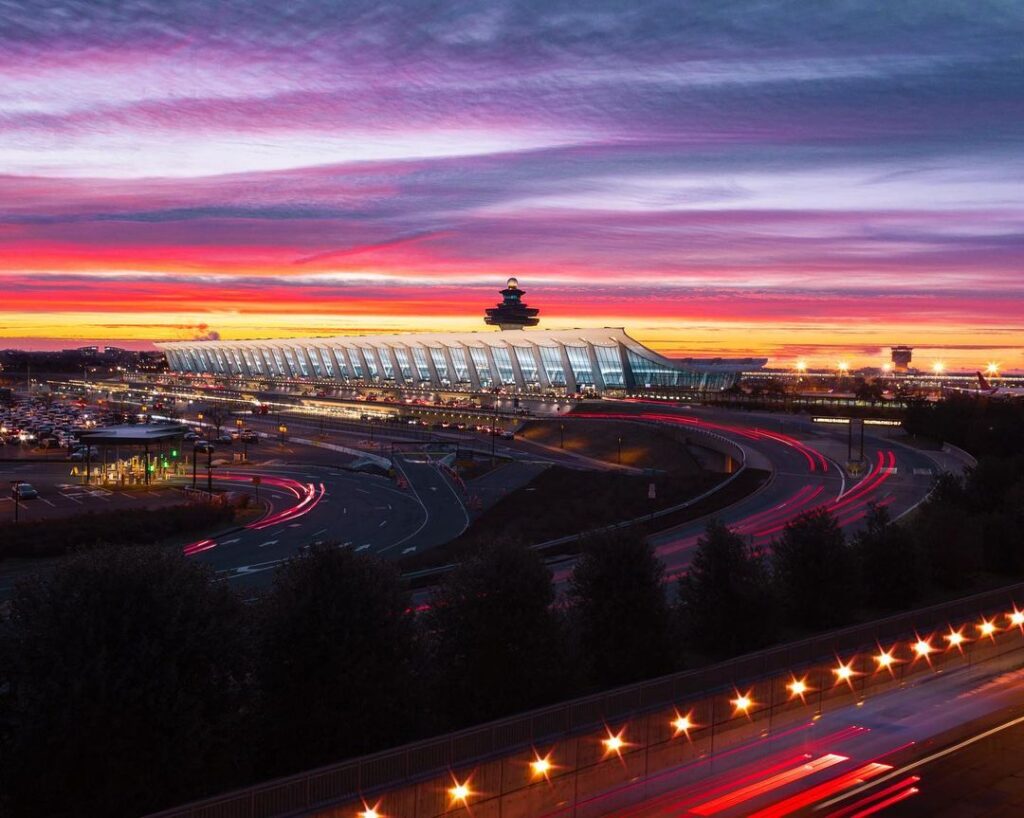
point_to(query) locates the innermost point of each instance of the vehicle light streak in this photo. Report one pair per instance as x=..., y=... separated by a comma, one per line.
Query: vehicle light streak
x=199, y=547
x=875, y=796
x=921, y=762
x=888, y=802
x=309, y=497
x=824, y=790
x=768, y=784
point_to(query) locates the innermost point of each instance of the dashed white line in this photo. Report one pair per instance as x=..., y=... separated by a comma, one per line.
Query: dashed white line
x=269, y=542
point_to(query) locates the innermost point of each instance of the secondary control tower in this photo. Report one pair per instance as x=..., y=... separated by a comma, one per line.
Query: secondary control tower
x=512, y=313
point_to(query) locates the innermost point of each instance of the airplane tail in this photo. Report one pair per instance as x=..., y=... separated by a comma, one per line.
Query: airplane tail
x=983, y=382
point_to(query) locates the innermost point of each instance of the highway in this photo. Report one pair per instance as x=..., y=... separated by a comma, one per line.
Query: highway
x=803, y=477
x=895, y=753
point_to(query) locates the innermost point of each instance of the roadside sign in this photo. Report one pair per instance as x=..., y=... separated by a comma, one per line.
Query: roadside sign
x=256, y=479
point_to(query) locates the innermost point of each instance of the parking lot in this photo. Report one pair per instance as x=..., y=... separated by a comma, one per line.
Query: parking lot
x=63, y=495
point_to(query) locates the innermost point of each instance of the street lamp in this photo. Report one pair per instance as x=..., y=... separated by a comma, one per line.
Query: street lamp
x=240, y=424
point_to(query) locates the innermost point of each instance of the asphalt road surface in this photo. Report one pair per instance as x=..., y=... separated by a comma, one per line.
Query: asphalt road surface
x=899, y=753
x=320, y=503
x=805, y=476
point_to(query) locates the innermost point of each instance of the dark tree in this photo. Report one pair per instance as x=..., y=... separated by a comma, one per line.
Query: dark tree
x=814, y=571
x=125, y=670
x=725, y=599
x=336, y=660
x=498, y=645
x=621, y=616
x=947, y=537
x=892, y=566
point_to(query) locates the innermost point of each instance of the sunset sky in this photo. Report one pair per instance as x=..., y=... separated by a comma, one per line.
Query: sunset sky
x=790, y=179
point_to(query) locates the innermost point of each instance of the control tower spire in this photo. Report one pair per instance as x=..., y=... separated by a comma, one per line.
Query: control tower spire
x=512, y=312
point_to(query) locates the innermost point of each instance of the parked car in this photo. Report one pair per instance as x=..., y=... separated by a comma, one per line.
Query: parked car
x=203, y=446
x=249, y=436
x=24, y=491
x=225, y=438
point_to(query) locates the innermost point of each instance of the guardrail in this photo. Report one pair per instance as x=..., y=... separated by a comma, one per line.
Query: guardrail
x=421, y=761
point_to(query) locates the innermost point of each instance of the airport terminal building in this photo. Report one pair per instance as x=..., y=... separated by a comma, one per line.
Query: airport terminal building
x=561, y=361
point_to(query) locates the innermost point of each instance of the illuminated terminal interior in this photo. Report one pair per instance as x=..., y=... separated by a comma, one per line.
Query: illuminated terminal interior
x=530, y=361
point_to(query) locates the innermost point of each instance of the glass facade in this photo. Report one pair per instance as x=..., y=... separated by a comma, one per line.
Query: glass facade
x=610, y=364
x=604, y=359
x=403, y=363
x=551, y=357
x=527, y=364
x=385, y=362
x=355, y=356
x=459, y=362
x=440, y=364
x=483, y=367
x=419, y=356
x=579, y=360
x=503, y=361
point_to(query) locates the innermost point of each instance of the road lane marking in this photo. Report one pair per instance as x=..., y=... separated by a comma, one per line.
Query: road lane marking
x=51, y=505
x=269, y=542
x=231, y=542
x=382, y=523
x=295, y=525
x=363, y=547
x=409, y=550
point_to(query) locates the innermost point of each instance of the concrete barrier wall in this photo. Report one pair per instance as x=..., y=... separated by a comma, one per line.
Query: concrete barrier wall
x=587, y=780
x=423, y=771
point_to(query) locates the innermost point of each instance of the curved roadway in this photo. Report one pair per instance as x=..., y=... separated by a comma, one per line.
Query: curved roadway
x=804, y=476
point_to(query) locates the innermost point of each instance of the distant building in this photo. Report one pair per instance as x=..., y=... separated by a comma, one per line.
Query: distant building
x=567, y=361
x=901, y=357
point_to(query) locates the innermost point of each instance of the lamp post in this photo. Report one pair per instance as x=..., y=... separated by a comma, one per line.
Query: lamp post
x=620, y=449
x=209, y=470
x=494, y=425
x=561, y=435
x=16, y=498
x=240, y=425
x=195, y=460
x=282, y=430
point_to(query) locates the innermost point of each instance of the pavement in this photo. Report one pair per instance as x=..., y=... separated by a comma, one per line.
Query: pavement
x=62, y=495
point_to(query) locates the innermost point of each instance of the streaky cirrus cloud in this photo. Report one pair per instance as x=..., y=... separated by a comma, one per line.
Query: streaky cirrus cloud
x=821, y=175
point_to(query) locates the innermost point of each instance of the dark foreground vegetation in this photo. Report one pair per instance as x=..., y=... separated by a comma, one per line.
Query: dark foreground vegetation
x=130, y=680
x=138, y=526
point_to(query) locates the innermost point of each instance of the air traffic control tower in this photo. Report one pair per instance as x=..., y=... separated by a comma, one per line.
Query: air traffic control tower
x=512, y=313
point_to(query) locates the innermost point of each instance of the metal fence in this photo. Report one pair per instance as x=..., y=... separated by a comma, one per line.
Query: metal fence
x=421, y=760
